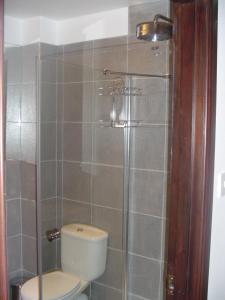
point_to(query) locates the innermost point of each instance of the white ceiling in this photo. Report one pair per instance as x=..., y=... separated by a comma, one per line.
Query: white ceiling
x=62, y=9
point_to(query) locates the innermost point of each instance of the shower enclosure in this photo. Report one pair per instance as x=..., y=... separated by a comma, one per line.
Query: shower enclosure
x=87, y=143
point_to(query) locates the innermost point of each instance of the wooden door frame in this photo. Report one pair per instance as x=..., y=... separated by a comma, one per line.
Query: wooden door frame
x=3, y=268
x=191, y=144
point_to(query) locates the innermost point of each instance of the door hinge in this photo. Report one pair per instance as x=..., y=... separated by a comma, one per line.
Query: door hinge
x=171, y=285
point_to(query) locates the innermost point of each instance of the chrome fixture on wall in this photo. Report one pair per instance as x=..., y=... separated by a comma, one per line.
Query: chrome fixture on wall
x=155, y=31
x=53, y=234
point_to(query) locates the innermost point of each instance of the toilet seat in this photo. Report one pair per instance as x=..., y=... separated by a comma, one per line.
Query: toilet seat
x=56, y=286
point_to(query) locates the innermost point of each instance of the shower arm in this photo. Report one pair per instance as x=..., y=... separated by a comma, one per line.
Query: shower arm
x=158, y=16
x=110, y=72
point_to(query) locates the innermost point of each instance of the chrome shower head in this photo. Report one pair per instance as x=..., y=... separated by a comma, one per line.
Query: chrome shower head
x=155, y=31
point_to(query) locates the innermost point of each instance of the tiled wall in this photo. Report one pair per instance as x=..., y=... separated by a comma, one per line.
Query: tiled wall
x=148, y=158
x=48, y=116
x=92, y=155
x=20, y=164
x=82, y=162
x=22, y=106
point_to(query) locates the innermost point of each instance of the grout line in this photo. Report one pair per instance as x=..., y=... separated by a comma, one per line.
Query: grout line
x=113, y=208
x=107, y=286
x=12, y=199
x=98, y=164
x=147, y=215
x=145, y=257
x=77, y=201
x=29, y=200
x=14, y=236
x=138, y=296
x=29, y=272
x=29, y=236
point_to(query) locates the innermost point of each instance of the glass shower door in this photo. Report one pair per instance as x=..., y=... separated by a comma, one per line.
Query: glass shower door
x=81, y=158
x=102, y=145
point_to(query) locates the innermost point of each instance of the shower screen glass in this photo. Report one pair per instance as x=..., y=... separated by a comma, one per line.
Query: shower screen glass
x=86, y=143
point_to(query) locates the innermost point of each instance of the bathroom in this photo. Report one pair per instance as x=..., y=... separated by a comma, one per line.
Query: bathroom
x=88, y=104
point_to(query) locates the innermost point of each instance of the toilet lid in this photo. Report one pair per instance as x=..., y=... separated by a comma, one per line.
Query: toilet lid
x=56, y=285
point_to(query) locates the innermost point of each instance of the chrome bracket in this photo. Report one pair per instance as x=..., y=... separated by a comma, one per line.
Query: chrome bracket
x=53, y=234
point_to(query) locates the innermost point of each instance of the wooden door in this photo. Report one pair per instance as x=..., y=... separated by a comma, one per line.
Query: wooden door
x=192, y=120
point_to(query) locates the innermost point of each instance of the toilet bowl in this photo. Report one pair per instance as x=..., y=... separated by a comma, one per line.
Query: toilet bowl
x=83, y=259
x=56, y=286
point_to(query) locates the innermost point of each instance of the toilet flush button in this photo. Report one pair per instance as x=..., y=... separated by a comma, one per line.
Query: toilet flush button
x=221, y=185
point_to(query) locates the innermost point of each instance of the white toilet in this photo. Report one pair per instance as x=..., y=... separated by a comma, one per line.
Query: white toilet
x=83, y=259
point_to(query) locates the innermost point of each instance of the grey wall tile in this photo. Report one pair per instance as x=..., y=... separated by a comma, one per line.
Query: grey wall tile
x=76, y=181
x=111, y=221
x=77, y=102
x=58, y=254
x=28, y=103
x=29, y=254
x=108, y=145
x=70, y=49
x=49, y=255
x=14, y=254
x=29, y=217
x=146, y=192
x=49, y=51
x=13, y=217
x=13, y=144
x=78, y=62
x=48, y=179
x=112, y=58
x=30, y=54
x=147, y=150
x=107, y=186
x=28, y=142
x=59, y=145
x=77, y=141
x=13, y=57
x=13, y=179
x=113, y=273
x=59, y=100
x=48, y=215
x=76, y=212
x=135, y=297
x=48, y=70
x=59, y=179
x=110, y=42
x=13, y=97
x=48, y=102
x=103, y=292
x=148, y=62
x=28, y=180
x=151, y=106
x=60, y=68
x=144, y=277
x=145, y=235
x=59, y=206
x=48, y=141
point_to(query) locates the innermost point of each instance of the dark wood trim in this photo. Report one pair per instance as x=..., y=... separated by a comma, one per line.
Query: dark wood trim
x=192, y=148
x=3, y=269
